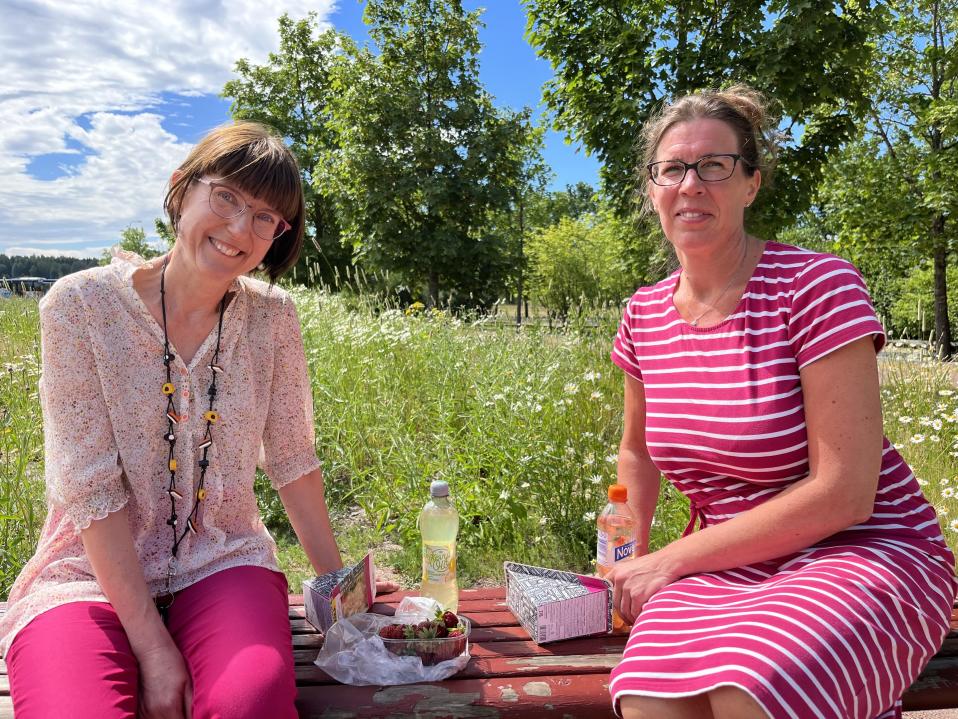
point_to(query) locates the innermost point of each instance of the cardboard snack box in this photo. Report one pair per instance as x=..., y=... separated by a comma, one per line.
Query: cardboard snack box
x=339, y=594
x=553, y=605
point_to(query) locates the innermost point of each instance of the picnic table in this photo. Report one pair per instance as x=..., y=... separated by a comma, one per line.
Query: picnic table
x=509, y=675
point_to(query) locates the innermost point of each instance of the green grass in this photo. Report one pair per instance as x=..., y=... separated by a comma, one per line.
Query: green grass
x=21, y=437
x=524, y=425
x=920, y=402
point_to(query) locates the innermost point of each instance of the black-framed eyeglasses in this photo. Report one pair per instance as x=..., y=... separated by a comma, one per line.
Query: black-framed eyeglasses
x=709, y=168
x=229, y=203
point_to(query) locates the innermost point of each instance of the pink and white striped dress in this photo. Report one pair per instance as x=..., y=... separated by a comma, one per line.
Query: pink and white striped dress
x=838, y=630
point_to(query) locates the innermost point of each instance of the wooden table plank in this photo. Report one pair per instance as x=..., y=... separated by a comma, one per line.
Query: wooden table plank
x=509, y=675
x=500, y=698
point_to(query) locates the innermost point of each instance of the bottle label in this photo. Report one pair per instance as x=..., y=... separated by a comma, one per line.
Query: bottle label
x=438, y=563
x=615, y=546
x=625, y=551
x=602, y=549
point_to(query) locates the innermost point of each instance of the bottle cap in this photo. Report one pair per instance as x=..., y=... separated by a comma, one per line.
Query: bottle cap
x=439, y=488
x=618, y=493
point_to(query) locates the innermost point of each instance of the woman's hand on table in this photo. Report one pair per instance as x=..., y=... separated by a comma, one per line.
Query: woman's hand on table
x=384, y=586
x=634, y=581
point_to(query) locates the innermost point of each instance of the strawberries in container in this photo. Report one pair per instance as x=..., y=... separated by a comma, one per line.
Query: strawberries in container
x=435, y=640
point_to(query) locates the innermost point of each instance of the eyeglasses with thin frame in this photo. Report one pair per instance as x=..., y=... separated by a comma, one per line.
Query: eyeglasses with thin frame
x=709, y=168
x=229, y=203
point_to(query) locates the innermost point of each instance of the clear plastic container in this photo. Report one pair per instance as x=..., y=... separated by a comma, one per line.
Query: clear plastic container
x=439, y=526
x=432, y=651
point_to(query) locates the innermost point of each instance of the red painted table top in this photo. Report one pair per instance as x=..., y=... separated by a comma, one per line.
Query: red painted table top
x=508, y=674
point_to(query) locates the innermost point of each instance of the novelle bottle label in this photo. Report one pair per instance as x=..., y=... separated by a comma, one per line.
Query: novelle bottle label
x=438, y=563
x=625, y=551
x=615, y=546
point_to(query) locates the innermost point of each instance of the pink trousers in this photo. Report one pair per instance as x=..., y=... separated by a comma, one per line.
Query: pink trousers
x=233, y=630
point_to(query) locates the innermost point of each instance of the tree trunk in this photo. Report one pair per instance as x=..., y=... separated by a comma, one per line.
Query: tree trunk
x=942, y=340
x=433, y=299
x=519, y=288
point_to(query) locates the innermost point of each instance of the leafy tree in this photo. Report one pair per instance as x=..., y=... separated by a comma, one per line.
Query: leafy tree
x=42, y=266
x=424, y=159
x=291, y=93
x=912, y=311
x=893, y=192
x=573, y=202
x=165, y=231
x=132, y=239
x=526, y=189
x=581, y=264
x=615, y=63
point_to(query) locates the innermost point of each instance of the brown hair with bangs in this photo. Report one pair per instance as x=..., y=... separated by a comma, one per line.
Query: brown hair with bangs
x=740, y=107
x=254, y=158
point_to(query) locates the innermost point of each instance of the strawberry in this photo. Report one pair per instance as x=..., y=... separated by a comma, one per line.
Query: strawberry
x=426, y=630
x=442, y=630
x=450, y=619
x=392, y=631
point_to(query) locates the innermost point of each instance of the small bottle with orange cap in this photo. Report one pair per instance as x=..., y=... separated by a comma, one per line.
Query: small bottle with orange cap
x=618, y=531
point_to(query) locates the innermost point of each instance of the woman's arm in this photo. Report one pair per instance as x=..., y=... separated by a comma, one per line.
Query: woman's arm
x=305, y=503
x=165, y=690
x=843, y=422
x=635, y=468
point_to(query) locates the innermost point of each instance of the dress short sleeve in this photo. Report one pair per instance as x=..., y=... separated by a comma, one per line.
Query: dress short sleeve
x=830, y=308
x=623, y=351
x=289, y=450
x=83, y=474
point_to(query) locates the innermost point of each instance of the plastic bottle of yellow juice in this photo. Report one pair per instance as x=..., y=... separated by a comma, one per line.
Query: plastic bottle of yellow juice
x=439, y=525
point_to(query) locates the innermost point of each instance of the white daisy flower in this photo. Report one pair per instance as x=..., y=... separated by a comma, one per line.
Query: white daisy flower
x=917, y=438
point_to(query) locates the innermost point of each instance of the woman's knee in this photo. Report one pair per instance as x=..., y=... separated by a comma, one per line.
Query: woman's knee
x=76, y=658
x=258, y=682
x=644, y=707
x=731, y=702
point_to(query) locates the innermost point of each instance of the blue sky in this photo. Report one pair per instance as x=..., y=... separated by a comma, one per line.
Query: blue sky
x=103, y=102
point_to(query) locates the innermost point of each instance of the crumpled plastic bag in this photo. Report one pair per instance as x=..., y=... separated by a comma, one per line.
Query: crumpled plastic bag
x=353, y=653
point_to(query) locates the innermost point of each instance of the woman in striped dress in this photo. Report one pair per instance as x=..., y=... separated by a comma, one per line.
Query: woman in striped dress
x=818, y=583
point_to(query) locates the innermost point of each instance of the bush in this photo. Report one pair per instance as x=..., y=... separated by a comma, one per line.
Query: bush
x=588, y=263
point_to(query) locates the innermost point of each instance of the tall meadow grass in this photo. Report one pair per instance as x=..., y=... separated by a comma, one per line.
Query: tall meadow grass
x=524, y=425
x=21, y=437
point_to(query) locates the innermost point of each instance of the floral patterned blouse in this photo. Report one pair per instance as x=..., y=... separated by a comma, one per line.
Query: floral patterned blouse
x=105, y=421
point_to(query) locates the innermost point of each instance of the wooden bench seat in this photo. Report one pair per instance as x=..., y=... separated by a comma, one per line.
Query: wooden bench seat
x=509, y=675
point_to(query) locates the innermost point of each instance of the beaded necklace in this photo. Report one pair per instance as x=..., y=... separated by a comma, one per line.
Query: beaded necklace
x=165, y=601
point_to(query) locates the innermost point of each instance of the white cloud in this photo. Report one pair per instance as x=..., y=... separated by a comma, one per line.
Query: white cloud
x=92, y=74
